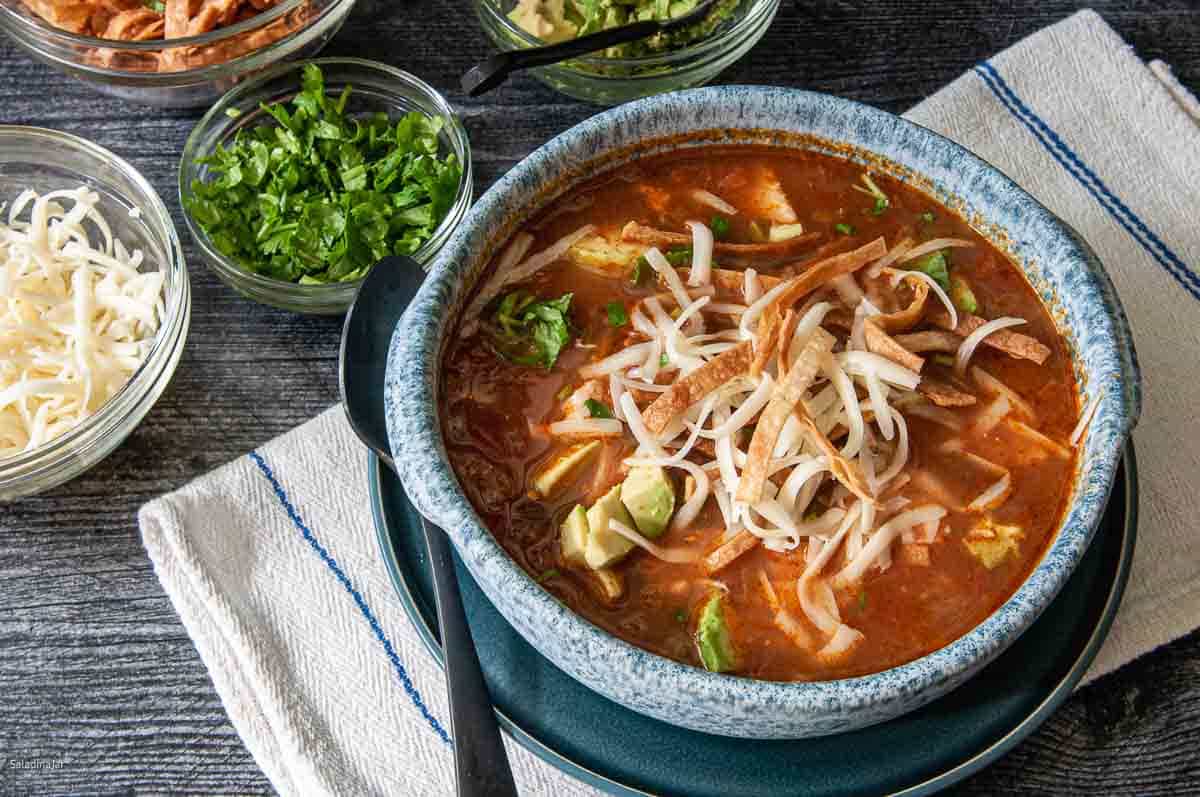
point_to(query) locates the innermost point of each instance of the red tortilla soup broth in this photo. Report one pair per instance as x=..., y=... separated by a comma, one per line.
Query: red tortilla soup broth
x=1001, y=425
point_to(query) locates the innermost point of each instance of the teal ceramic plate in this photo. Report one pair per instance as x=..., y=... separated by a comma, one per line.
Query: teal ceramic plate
x=622, y=752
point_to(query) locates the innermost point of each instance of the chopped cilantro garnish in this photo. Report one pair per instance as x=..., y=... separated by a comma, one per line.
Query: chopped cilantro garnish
x=720, y=227
x=640, y=267
x=529, y=331
x=935, y=265
x=663, y=360
x=617, y=317
x=870, y=189
x=547, y=575
x=844, y=229
x=927, y=217
x=680, y=616
x=679, y=256
x=320, y=196
x=862, y=600
x=597, y=409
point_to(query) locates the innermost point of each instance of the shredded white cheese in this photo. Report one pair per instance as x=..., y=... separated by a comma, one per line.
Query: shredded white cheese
x=77, y=316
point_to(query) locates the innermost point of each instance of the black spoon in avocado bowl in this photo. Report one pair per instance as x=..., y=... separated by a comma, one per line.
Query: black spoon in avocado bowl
x=488, y=74
x=482, y=764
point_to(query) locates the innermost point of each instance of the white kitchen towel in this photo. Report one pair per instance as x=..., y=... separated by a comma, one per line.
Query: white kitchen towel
x=272, y=562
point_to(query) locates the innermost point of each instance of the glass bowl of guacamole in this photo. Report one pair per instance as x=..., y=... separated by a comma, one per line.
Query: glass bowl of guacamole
x=683, y=59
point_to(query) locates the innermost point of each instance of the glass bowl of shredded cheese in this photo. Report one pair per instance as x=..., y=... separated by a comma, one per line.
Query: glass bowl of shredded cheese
x=169, y=52
x=94, y=305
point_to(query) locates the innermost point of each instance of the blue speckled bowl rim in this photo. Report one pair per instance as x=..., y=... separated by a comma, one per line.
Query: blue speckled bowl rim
x=1056, y=694
x=415, y=430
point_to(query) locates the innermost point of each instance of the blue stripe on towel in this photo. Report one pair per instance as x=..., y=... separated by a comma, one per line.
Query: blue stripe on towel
x=1075, y=166
x=332, y=564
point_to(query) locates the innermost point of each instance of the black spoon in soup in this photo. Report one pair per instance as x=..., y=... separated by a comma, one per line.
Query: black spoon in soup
x=487, y=75
x=482, y=765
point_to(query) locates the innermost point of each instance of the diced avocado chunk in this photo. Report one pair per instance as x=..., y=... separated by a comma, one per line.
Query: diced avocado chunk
x=611, y=584
x=992, y=543
x=785, y=232
x=935, y=265
x=962, y=295
x=545, y=19
x=713, y=639
x=650, y=498
x=573, y=535
x=559, y=472
x=605, y=547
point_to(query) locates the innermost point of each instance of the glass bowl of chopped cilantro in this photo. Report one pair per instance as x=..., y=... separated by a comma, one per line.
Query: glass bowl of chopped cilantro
x=295, y=184
x=686, y=58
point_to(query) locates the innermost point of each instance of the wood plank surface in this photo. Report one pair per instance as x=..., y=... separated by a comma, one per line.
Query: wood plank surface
x=98, y=680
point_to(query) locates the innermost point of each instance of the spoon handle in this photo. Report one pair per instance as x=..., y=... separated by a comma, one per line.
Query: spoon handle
x=483, y=768
x=573, y=48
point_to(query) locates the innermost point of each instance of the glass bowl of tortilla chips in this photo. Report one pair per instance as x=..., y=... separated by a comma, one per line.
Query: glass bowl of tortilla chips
x=174, y=53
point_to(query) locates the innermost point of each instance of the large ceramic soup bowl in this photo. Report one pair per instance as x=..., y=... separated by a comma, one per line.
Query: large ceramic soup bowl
x=1061, y=272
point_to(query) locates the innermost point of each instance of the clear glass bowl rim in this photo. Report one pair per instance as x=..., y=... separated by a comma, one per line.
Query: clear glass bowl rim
x=111, y=417
x=683, y=56
x=332, y=292
x=36, y=33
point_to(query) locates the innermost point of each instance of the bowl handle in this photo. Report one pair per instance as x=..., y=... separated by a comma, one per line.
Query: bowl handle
x=366, y=336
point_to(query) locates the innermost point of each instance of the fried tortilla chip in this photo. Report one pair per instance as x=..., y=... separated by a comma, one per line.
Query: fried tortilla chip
x=730, y=283
x=785, y=399
x=819, y=274
x=724, y=555
x=883, y=344
x=698, y=384
x=769, y=324
x=930, y=340
x=909, y=317
x=1012, y=343
x=775, y=251
x=944, y=394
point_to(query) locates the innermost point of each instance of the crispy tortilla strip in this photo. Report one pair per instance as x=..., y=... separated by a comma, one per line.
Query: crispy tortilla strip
x=733, y=253
x=177, y=14
x=73, y=17
x=135, y=24
x=213, y=14
x=846, y=471
x=790, y=320
x=822, y=252
x=909, y=317
x=769, y=325
x=730, y=283
x=930, y=340
x=696, y=385
x=724, y=555
x=883, y=344
x=784, y=400
x=1012, y=343
x=944, y=394
x=820, y=273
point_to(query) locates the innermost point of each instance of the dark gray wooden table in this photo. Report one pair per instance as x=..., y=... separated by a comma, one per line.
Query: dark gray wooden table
x=101, y=690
